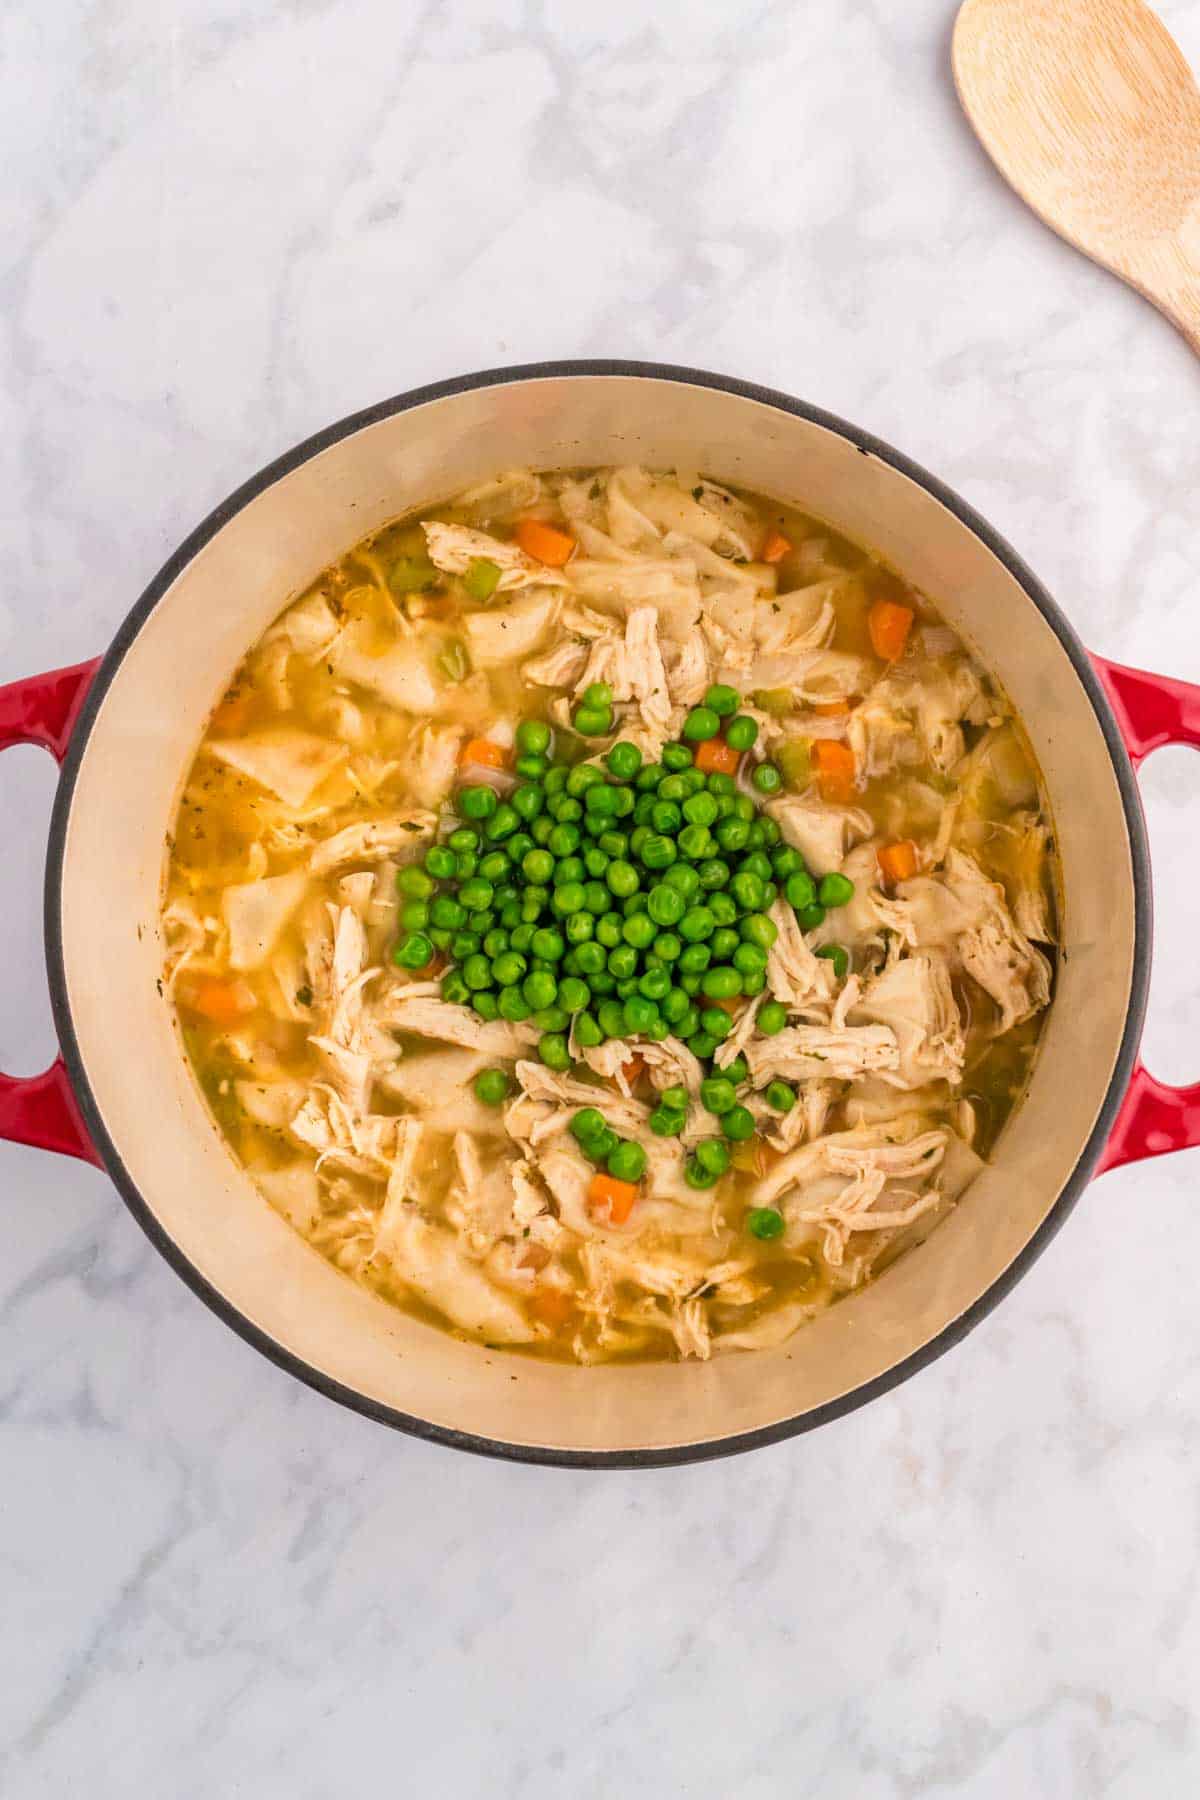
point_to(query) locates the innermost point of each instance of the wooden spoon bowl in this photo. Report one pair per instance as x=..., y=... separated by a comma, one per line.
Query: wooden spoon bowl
x=1090, y=112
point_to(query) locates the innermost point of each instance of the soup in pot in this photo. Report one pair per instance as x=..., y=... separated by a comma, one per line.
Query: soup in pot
x=611, y=915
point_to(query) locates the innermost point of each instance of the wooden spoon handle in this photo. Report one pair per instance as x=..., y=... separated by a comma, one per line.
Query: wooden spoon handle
x=1168, y=273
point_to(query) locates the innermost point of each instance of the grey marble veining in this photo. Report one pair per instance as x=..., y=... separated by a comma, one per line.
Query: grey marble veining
x=228, y=224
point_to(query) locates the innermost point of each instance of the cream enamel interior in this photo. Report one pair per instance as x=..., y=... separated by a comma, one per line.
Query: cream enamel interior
x=126, y=794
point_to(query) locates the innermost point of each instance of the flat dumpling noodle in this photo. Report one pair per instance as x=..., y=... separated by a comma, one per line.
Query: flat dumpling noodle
x=611, y=915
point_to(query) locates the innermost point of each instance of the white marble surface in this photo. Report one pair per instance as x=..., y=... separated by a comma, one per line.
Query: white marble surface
x=227, y=224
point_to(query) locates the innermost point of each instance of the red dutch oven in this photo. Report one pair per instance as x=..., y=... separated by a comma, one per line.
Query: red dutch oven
x=123, y=729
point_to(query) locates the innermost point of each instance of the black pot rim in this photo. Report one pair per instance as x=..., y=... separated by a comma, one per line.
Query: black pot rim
x=950, y=1334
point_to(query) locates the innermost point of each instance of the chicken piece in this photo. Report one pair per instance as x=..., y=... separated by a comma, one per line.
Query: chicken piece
x=801, y=620
x=357, y=891
x=821, y=833
x=437, y=1086
x=962, y=909
x=371, y=840
x=560, y=667
x=453, y=548
x=505, y=633
x=770, y=1330
x=295, y=1192
x=271, y=1103
x=688, y=675
x=633, y=667
x=431, y=1017
x=431, y=762
x=795, y=975
x=913, y=997
x=289, y=763
x=308, y=628
x=811, y=1052
x=671, y=1064
x=544, y=1089
x=255, y=914
x=398, y=673
x=427, y=1259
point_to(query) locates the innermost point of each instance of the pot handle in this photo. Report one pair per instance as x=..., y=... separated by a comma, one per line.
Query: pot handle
x=1151, y=710
x=41, y=1109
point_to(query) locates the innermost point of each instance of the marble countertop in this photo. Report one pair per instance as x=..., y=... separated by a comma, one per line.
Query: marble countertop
x=228, y=225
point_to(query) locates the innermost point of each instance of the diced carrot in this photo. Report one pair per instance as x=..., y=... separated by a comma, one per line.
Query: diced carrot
x=610, y=1197
x=633, y=1067
x=543, y=542
x=831, y=709
x=727, y=1006
x=835, y=766
x=776, y=547
x=533, y=1256
x=898, y=862
x=483, y=752
x=222, y=1002
x=552, y=1307
x=716, y=757
x=889, y=625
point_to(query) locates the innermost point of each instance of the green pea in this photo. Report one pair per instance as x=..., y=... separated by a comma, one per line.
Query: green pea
x=786, y=861
x=722, y=700
x=507, y=970
x=666, y=815
x=622, y=878
x=756, y=928
x=611, y=1015
x=463, y=839
x=780, y=1096
x=695, y=959
x=749, y=959
x=701, y=724
x=475, y=895
x=722, y=906
x=809, y=917
x=492, y=1087
x=701, y=1045
x=658, y=851
x=486, y=1004
x=503, y=823
x=601, y=1147
x=478, y=802
x=495, y=943
x=742, y=733
x=602, y=983
x=764, y=1222
x=587, y=1124
x=532, y=768
x=588, y=1033
x=717, y=1094
x=638, y=1013
x=700, y=809
x=800, y=890
x=494, y=867
x=528, y=800
x=609, y=931
x=540, y=989
x=755, y=863
x=695, y=842
x=835, y=890
x=414, y=915
x=766, y=777
x=533, y=736
x=665, y=905
x=689, y=1026
x=567, y=899
x=738, y=1124
x=573, y=994
x=623, y=961
x=723, y=786
x=737, y=1071
x=666, y=1121
x=628, y=1161
x=464, y=944
x=674, y=788
x=667, y=945
x=454, y=989
x=547, y=944
x=696, y=924
x=581, y=778
x=674, y=1005
x=439, y=862
x=698, y=1177
x=568, y=810
x=639, y=930
x=551, y=1018
x=579, y=927
x=613, y=843
x=694, y=782
x=413, y=952
x=593, y=721
x=713, y=873
x=521, y=937
x=415, y=883
x=563, y=840
x=513, y=1005
x=598, y=693
x=747, y=889
x=716, y=1023
x=477, y=972
x=569, y=868
x=624, y=761
x=655, y=984
x=552, y=1048
x=690, y=983
x=556, y=779
x=732, y=834
x=676, y=757
x=839, y=957
x=769, y=832
x=510, y=913
x=721, y=983
x=602, y=800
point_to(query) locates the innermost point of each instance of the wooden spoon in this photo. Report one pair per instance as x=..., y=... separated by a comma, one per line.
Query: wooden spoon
x=1090, y=112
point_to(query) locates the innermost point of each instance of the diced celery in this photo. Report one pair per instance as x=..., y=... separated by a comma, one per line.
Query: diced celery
x=482, y=578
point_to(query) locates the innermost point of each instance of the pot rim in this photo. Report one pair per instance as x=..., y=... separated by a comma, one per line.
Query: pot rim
x=547, y=1455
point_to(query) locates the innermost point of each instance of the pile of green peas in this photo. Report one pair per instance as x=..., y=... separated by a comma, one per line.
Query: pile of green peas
x=631, y=898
